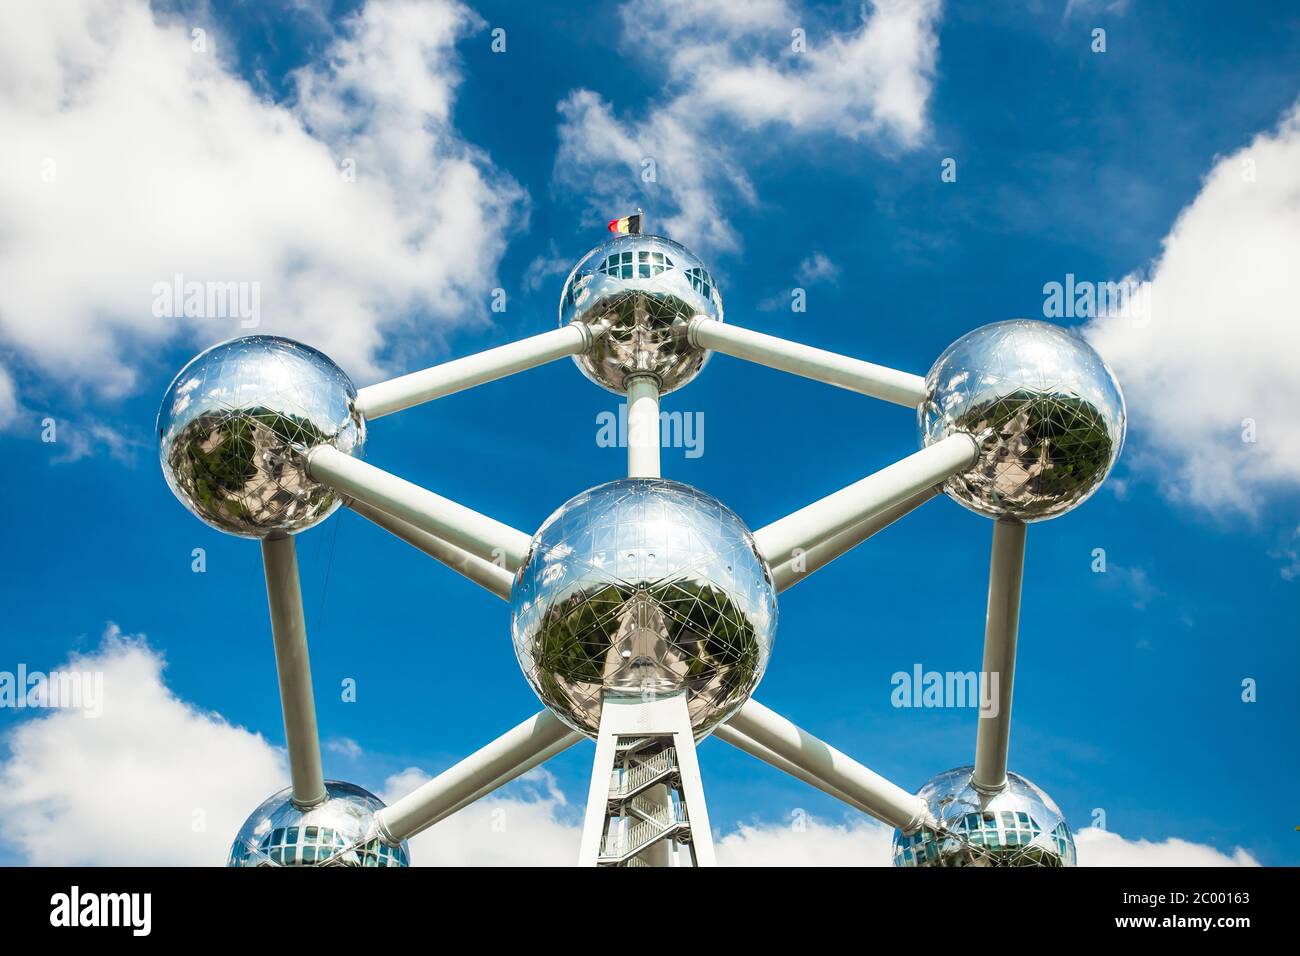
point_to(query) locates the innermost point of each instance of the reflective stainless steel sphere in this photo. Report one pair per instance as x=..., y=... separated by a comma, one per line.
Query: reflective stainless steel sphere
x=235, y=426
x=637, y=294
x=339, y=832
x=1020, y=826
x=1046, y=409
x=643, y=586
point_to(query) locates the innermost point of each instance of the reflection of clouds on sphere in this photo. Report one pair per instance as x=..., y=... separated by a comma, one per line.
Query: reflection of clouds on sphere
x=1046, y=409
x=339, y=832
x=637, y=294
x=235, y=426
x=1020, y=826
x=643, y=586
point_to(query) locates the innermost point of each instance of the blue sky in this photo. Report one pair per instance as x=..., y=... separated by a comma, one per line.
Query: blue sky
x=1128, y=692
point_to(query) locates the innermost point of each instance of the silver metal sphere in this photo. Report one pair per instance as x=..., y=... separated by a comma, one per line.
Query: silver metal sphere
x=235, y=426
x=339, y=832
x=646, y=587
x=1020, y=826
x=1045, y=407
x=637, y=294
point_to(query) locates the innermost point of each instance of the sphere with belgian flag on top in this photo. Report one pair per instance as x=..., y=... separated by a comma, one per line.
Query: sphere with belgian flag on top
x=637, y=294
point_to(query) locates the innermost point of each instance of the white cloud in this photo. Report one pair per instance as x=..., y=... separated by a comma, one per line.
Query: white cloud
x=529, y=823
x=817, y=268
x=9, y=409
x=127, y=788
x=546, y=267
x=733, y=69
x=1135, y=581
x=1289, y=553
x=131, y=158
x=1219, y=346
x=1101, y=848
x=813, y=842
x=344, y=747
x=1093, y=7
x=78, y=439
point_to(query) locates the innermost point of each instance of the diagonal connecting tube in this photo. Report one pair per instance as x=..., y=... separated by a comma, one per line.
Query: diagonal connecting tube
x=289, y=632
x=822, y=553
x=901, y=388
x=481, y=536
x=729, y=734
x=511, y=755
x=491, y=576
x=829, y=769
x=792, y=536
x=384, y=398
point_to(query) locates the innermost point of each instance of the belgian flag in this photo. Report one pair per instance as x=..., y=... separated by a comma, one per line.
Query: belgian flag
x=627, y=226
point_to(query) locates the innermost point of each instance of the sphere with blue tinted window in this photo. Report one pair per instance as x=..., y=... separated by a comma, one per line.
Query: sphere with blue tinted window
x=637, y=295
x=339, y=831
x=1018, y=826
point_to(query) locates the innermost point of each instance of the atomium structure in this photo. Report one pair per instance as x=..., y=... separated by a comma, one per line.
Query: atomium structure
x=643, y=611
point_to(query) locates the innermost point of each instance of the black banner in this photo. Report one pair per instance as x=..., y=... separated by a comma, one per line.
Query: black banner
x=247, y=905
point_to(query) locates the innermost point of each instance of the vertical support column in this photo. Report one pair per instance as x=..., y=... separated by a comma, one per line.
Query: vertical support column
x=289, y=632
x=633, y=819
x=643, y=427
x=1001, y=627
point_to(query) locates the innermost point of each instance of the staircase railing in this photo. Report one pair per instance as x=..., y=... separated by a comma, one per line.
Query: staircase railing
x=641, y=775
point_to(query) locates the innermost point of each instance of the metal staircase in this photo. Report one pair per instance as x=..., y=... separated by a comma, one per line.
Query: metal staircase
x=645, y=805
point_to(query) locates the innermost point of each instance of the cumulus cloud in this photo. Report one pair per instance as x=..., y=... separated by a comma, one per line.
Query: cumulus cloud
x=807, y=841
x=528, y=823
x=1093, y=7
x=543, y=268
x=1135, y=582
x=1209, y=373
x=344, y=747
x=746, y=69
x=1289, y=553
x=9, y=409
x=148, y=782
x=817, y=268
x=1101, y=848
x=81, y=439
x=133, y=157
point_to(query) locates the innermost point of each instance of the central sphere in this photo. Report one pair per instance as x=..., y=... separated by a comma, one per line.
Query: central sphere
x=1018, y=826
x=638, y=295
x=647, y=587
x=341, y=831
